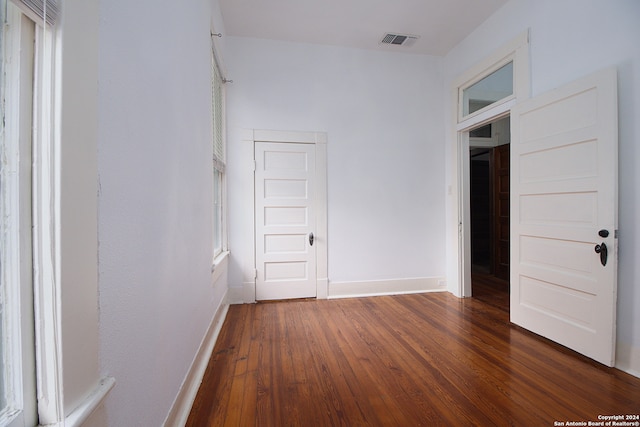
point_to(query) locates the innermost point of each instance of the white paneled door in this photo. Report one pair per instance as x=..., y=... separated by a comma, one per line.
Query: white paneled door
x=564, y=152
x=285, y=220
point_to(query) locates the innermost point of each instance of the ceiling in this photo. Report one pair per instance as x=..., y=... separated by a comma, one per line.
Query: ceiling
x=440, y=24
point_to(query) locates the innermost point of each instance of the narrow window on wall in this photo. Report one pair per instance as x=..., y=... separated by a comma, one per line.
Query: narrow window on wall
x=218, y=158
x=17, y=342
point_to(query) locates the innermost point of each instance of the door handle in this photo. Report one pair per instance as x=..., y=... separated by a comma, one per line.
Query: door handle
x=311, y=239
x=602, y=250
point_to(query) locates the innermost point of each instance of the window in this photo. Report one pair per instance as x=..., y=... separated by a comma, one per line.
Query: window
x=494, y=87
x=17, y=344
x=217, y=88
x=53, y=113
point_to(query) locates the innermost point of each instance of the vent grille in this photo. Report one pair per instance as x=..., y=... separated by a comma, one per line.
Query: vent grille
x=399, y=39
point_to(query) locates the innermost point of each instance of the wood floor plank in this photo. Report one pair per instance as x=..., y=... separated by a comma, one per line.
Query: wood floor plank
x=368, y=372
x=220, y=371
x=340, y=384
x=400, y=368
x=422, y=359
x=243, y=375
x=460, y=372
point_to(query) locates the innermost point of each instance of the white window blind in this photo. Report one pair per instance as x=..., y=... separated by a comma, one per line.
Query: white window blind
x=217, y=105
x=40, y=10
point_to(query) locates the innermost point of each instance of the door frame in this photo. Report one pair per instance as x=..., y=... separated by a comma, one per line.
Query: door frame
x=459, y=222
x=319, y=139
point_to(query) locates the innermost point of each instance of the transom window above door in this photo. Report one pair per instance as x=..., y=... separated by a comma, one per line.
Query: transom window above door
x=494, y=87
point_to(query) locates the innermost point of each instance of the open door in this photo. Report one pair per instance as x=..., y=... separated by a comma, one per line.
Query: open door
x=564, y=152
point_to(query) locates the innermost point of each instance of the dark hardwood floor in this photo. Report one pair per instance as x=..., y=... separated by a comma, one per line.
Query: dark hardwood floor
x=408, y=360
x=490, y=290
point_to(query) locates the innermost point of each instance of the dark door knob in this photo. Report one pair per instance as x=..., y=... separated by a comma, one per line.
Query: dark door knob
x=602, y=250
x=311, y=239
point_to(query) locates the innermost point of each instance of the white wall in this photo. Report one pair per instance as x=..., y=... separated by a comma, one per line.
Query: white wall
x=570, y=39
x=383, y=116
x=156, y=298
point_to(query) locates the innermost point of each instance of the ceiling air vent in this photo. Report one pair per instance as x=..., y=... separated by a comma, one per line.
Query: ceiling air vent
x=399, y=39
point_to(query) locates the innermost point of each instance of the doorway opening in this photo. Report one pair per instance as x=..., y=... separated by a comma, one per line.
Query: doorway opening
x=489, y=147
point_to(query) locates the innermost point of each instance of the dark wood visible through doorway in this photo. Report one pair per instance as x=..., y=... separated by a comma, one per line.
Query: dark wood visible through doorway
x=489, y=205
x=491, y=290
x=500, y=171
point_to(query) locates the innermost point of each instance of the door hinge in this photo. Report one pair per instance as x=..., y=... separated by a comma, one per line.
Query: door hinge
x=255, y=273
x=615, y=234
x=254, y=165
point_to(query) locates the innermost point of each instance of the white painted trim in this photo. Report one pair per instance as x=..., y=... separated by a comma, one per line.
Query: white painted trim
x=46, y=208
x=464, y=191
x=247, y=169
x=498, y=111
x=320, y=140
x=386, y=287
x=322, y=288
x=181, y=407
x=321, y=206
x=17, y=353
x=90, y=404
x=628, y=358
x=458, y=236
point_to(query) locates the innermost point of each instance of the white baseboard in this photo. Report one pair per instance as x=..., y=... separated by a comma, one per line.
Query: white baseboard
x=628, y=358
x=181, y=407
x=386, y=287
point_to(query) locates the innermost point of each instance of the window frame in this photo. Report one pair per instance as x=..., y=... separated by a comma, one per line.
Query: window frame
x=219, y=219
x=16, y=248
x=482, y=75
x=64, y=208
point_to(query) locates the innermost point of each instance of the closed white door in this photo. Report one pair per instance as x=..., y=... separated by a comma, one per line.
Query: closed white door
x=564, y=152
x=285, y=220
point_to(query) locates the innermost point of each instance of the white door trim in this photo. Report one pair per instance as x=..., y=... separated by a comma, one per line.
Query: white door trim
x=319, y=139
x=459, y=223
